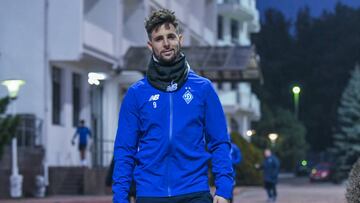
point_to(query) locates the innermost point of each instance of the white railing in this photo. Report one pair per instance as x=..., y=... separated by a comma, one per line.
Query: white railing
x=242, y=99
x=227, y=98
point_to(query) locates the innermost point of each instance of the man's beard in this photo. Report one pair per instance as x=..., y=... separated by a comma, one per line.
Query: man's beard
x=172, y=59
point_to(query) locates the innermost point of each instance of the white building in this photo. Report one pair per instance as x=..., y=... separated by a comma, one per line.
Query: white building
x=54, y=44
x=237, y=19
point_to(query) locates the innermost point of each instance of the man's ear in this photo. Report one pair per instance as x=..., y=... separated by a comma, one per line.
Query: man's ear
x=181, y=39
x=149, y=45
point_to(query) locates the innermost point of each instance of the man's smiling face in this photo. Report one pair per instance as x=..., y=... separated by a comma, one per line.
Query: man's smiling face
x=165, y=43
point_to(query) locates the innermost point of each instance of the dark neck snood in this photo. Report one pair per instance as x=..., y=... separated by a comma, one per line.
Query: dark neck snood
x=168, y=77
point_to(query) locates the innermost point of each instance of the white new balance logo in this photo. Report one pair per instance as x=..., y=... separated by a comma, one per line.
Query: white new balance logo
x=154, y=97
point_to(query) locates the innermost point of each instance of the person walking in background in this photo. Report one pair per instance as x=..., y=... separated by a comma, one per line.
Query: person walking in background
x=165, y=123
x=271, y=169
x=84, y=133
x=236, y=158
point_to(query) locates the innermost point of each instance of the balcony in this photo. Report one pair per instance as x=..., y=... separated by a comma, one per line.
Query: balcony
x=238, y=9
x=98, y=38
x=254, y=25
x=84, y=28
x=234, y=102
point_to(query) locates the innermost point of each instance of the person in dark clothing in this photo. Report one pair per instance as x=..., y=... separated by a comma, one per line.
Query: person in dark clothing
x=84, y=133
x=271, y=168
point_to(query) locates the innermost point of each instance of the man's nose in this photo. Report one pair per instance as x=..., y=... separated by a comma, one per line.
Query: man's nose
x=166, y=43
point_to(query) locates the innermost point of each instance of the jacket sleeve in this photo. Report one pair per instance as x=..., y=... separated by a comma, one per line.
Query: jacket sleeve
x=236, y=154
x=218, y=143
x=125, y=148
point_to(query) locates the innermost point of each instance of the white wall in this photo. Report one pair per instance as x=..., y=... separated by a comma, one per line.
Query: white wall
x=103, y=17
x=65, y=26
x=133, y=29
x=59, y=150
x=111, y=109
x=102, y=13
x=22, y=51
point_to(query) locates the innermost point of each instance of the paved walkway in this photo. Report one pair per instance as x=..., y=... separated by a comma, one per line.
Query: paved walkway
x=289, y=190
x=295, y=194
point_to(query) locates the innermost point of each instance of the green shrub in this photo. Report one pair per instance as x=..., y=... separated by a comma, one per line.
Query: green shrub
x=246, y=173
x=8, y=124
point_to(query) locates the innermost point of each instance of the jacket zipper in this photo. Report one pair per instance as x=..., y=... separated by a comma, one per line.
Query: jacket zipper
x=170, y=139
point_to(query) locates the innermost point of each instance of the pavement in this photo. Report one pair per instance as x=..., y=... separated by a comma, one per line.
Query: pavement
x=290, y=190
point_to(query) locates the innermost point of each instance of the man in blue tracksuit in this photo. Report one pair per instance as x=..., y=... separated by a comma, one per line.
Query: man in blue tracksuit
x=171, y=124
x=84, y=133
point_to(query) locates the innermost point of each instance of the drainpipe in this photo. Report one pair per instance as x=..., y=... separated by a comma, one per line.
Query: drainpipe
x=46, y=76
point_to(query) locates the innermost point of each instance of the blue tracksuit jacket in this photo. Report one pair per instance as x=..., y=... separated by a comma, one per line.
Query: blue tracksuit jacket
x=162, y=138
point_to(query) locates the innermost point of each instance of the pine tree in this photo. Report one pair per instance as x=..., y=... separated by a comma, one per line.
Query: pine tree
x=7, y=124
x=347, y=139
x=353, y=187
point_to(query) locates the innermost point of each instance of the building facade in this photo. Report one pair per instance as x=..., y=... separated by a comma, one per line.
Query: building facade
x=236, y=21
x=55, y=45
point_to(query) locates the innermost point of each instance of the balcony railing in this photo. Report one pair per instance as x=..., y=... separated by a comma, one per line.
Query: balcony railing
x=242, y=101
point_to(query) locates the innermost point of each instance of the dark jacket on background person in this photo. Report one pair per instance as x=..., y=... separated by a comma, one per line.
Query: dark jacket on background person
x=271, y=167
x=162, y=138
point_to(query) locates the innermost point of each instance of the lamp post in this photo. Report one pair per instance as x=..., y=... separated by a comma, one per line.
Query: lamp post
x=296, y=91
x=273, y=137
x=16, y=179
x=250, y=133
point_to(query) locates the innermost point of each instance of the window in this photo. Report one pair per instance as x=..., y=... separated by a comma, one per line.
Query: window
x=56, y=95
x=220, y=86
x=234, y=30
x=234, y=85
x=220, y=29
x=76, y=95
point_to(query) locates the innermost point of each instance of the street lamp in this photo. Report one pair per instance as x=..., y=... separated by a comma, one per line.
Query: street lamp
x=273, y=137
x=16, y=179
x=250, y=133
x=296, y=91
x=94, y=78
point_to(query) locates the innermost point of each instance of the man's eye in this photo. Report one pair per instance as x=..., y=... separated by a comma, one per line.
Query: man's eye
x=171, y=36
x=158, y=39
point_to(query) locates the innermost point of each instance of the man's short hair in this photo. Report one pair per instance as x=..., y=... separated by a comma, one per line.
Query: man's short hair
x=160, y=17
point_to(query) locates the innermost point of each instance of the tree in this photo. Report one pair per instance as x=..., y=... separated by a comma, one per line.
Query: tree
x=353, y=186
x=291, y=145
x=347, y=139
x=8, y=124
x=246, y=173
x=317, y=53
x=274, y=44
